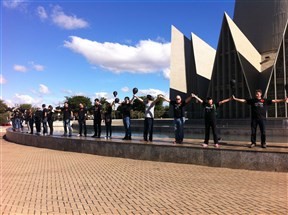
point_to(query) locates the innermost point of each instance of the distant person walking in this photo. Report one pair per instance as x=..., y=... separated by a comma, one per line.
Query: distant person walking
x=179, y=119
x=210, y=111
x=258, y=115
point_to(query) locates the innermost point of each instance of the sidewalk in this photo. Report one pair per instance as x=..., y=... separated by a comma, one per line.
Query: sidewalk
x=42, y=181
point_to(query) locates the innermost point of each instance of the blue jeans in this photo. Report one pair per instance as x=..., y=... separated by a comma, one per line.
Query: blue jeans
x=127, y=126
x=66, y=123
x=179, y=129
x=148, y=128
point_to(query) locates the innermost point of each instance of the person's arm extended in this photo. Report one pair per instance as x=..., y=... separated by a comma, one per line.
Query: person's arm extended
x=239, y=100
x=136, y=97
x=188, y=99
x=225, y=100
x=197, y=98
x=278, y=100
x=166, y=99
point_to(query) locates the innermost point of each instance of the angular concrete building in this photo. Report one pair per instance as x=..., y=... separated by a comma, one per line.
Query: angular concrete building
x=252, y=50
x=191, y=68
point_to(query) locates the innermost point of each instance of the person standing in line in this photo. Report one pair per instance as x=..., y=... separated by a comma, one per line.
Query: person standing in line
x=97, y=111
x=126, y=107
x=38, y=118
x=67, y=115
x=210, y=109
x=30, y=120
x=149, y=103
x=179, y=118
x=108, y=120
x=44, y=119
x=50, y=119
x=258, y=115
x=82, y=113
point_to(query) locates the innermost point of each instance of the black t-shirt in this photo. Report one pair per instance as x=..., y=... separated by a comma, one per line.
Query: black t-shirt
x=126, y=108
x=210, y=110
x=178, y=108
x=38, y=115
x=44, y=112
x=97, y=112
x=66, y=113
x=50, y=115
x=258, y=107
x=108, y=114
x=82, y=115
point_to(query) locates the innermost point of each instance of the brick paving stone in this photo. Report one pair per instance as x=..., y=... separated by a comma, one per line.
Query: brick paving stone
x=42, y=181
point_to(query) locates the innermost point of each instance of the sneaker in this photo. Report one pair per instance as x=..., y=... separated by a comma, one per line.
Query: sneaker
x=79, y=135
x=204, y=145
x=264, y=146
x=125, y=138
x=252, y=145
x=216, y=145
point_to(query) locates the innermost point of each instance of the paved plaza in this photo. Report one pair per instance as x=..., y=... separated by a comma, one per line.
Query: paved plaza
x=43, y=181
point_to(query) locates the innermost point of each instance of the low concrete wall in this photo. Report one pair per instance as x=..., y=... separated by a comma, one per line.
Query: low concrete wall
x=237, y=159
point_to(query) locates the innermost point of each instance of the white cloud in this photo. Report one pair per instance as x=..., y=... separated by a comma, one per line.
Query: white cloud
x=25, y=99
x=13, y=4
x=67, y=22
x=20, y=68
x=43, y=89
x=152, y=92
x=125, y=89
x=166, y=73
x=146, y=57
x=101, y=94
x=70, y=92
x=41, y=12
x=2, y=79
x=38, y=67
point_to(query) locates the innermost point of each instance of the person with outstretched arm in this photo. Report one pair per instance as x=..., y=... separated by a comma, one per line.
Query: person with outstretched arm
x=179, y=119
x=149, y=103
x=210, y=111
x=258, y=115
x=126, y=107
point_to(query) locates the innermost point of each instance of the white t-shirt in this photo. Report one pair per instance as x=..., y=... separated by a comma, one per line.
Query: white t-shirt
x=149, y=109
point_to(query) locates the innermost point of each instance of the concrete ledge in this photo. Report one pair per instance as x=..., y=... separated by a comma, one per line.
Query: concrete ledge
x=228, y=156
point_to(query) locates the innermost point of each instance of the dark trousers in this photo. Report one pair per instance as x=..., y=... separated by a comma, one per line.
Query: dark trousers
x=212, y=124
x=108, y=128
x=148, y=128
x=97, y=127
x=50, y=124
x=82, y=126
x=262, y=126
x=44, y=124
x=31, y=122
x=38, y=126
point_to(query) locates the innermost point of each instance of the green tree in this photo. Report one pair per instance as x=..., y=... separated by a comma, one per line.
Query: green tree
x=25, y=106
x=74, y=102
x=3, y=106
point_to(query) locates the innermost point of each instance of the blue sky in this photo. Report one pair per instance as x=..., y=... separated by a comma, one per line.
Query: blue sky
x=53, y=49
